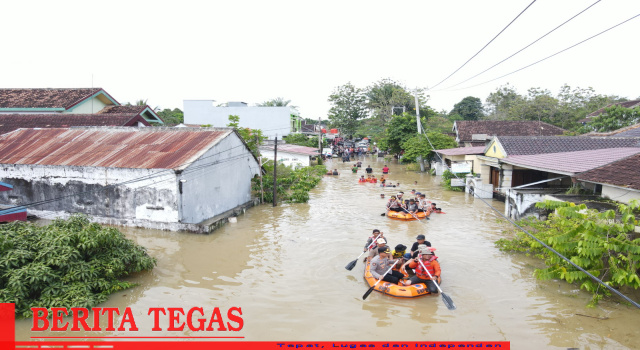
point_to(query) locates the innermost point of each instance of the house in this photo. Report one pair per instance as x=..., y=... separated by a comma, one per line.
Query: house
x=459, y=160
x=619, y=180
x=11, y=122
x=164, y=178
x=470, y=133
x=290, y=155
x=525, y=169
x=628, y=131
x=273, y=121
x=67, y=101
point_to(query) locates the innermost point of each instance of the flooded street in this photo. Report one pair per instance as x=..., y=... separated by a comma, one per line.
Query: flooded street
x=285, y=267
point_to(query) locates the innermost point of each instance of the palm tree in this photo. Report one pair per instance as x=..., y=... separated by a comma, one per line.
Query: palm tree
x=276, y=102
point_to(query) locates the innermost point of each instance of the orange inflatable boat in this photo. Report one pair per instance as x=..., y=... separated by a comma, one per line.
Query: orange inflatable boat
x=403, y=215
x=395, y=290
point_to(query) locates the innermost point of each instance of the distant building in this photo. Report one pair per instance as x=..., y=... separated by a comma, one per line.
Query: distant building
x=290, y=155
x=627, y=104
x=273, y=121
x=165, y=178
x=472, y=133
x=86, y=101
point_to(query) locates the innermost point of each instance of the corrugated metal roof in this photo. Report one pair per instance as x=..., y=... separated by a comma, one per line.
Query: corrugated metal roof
x=459, y=151
x=145, y=148
x=570, y=163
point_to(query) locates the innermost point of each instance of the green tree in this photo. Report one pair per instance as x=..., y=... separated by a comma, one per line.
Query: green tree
x=615, y=117
x=388, y=97
x=399, y=128
x=470, y=108
x=501, y=103
x=252, y=137
x=276, y=102
x=303, y=140
x=171, y=116
x=348, y=107
x=419, y=146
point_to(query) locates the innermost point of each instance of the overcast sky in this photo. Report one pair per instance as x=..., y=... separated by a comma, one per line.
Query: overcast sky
x=252, y=51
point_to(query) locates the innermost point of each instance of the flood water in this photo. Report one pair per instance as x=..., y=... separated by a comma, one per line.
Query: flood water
x=285, y=268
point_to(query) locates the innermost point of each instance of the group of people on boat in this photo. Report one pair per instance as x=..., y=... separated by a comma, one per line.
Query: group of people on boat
x=417, y=204
x=419, y=265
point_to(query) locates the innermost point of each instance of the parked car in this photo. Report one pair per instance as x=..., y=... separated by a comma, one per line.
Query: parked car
x=327, y=152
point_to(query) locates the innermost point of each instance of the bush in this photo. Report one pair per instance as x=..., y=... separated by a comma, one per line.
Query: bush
x=293, y=184
x=446, y=180
x=604, y=244
x=69, y=263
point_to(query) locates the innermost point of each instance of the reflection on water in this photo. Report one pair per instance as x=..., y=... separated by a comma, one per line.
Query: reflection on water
x=284, y=267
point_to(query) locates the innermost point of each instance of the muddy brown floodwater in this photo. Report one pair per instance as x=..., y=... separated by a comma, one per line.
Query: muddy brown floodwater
x=285, y=267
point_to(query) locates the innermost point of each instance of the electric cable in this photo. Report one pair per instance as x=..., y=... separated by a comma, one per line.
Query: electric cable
x=494, y=38
x=522, y=49
x=546, y=58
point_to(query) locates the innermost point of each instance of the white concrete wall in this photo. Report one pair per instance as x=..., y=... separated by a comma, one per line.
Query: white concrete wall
x=620, y=194
x=286, y=158
x=149, y=195
x=87, y=107
x=271, y=120
x=220, y=180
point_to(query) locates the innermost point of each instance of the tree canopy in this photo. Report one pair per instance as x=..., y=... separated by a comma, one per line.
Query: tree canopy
x=470, y=108
x=348, y=107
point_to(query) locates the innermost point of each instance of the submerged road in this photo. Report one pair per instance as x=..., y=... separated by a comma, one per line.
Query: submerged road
x=285, y=268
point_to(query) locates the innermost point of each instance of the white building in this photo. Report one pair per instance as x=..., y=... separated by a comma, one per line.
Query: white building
x=273, y=121
x=290, y=155
x=165, y=178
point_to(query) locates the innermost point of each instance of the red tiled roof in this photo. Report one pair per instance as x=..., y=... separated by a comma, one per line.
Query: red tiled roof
x=294, y=149
x=571, y=162
x=622, y=173
x=143, y=148
x=522, y=145
x=45, y=98
x=627, y=131
x=122, y=110
x=467, y=128
x=461, y=151
x=10, y=122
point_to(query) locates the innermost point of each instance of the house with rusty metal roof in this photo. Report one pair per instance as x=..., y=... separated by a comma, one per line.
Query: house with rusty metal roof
x=471, y=133
x=83, y=101
x=165, y=178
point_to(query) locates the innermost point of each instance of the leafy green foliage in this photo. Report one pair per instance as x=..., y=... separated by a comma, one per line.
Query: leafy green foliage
x=602, y=243
x=293, y=185
x=69, y=263
x=564, y=110
x=276, y=102
x=252, y=137
x=446, y=180
x=418, y=146
x=171, y=116
x=348, y=107
x=614, y=117
x=470, y=108
x=304, y=140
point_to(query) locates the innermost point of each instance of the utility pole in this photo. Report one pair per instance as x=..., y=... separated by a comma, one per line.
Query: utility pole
x=419, y=127
x=320, y=141
x=260, y=170
x=275, y=174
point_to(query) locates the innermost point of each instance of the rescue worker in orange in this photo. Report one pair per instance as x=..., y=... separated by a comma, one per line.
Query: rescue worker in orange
x=426, y=259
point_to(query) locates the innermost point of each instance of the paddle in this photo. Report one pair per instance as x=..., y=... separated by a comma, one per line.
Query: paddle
x=380, y=279
x=415, y=217
x=352, y=264
x=445, y=298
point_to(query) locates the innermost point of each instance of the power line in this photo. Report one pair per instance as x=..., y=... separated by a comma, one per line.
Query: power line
x=546, y=58
x=494, y=38
x=524, y=48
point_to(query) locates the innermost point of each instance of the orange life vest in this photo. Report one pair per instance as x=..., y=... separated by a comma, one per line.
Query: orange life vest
x=420, y=272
